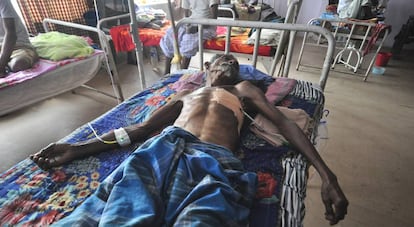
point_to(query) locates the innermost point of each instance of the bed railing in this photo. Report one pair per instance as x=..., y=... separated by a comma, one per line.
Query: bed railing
x=292, y=28
x=109, y=61
x=291, y=17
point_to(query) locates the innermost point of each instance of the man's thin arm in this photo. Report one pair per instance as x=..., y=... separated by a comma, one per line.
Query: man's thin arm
x=290, y=131
x=161, y=118
x=332, y=196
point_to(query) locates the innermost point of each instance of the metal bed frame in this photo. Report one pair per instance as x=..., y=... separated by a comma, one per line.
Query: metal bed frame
x=109, y=64
x=292, y=29
x=351, y=42
x=64, y=78
x=291, y=17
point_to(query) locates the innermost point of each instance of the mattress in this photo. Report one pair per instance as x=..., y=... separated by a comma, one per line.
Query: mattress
x=46, y=79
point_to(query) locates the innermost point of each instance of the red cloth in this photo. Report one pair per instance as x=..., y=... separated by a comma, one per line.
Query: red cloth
x=237, y=43
x=266, y=185
x=121, y=36
x=279, y=89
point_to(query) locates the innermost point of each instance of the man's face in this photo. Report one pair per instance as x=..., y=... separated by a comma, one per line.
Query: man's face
x=224, y=70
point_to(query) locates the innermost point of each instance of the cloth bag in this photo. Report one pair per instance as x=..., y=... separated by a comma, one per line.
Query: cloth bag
x=265, y=129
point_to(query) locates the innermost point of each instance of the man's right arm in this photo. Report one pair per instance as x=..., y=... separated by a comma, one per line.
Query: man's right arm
x=161, y=118
x=158, y=120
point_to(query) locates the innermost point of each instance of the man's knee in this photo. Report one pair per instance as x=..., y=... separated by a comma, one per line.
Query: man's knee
x=22, y=59
x=19, y=64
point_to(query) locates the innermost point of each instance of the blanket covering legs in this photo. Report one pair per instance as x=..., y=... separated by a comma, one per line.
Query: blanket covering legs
x=172, y=179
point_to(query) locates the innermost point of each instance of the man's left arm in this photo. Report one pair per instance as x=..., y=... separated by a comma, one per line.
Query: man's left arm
x=9, y=41
x=333, y=198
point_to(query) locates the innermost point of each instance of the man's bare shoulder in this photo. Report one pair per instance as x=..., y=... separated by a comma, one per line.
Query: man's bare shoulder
x=247, y=89
x=179, y=96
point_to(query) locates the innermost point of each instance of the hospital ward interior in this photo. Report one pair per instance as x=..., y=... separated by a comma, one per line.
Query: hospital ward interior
x=351, y=75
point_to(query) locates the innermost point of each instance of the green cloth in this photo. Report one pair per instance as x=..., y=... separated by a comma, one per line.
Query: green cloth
x=58, y=46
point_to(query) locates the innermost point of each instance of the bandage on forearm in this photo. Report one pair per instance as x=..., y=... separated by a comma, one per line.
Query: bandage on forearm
x=122, y=137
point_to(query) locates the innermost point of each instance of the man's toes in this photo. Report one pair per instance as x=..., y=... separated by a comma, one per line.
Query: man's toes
x=42, y=163
x=36, y=156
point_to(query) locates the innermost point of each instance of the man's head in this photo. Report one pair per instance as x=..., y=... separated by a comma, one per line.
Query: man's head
x=223, y=69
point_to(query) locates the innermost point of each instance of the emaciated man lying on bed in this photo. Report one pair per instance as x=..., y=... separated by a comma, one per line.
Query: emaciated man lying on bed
x=187, y=172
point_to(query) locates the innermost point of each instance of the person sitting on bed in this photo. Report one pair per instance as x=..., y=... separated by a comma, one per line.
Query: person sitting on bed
x=188, y=35
x=212, y=114
x=17, y=53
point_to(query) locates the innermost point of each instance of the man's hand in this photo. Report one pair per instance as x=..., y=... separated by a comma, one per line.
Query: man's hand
x=54, y=154
x=335, y=202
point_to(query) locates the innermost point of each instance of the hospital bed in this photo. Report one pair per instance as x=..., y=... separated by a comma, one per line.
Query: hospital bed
x=31, y=196
x=49, y=78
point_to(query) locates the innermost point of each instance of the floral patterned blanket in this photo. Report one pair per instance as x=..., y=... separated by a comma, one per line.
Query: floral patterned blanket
x=30, y=196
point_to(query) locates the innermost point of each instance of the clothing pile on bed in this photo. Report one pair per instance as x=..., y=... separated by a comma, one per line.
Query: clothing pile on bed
x=58, y=46
x=30, y=196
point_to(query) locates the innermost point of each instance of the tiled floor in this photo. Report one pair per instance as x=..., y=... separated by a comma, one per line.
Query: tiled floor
x=370, y=137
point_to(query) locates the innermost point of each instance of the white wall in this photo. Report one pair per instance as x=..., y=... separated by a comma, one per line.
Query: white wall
x=309, y=9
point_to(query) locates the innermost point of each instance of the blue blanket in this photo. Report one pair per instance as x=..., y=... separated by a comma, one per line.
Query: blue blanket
x=172, y=179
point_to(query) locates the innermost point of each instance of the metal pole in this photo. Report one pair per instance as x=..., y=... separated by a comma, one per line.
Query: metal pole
x=138, y=44
x=177, y=55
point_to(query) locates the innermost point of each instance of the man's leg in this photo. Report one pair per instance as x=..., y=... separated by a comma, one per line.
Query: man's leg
x=167, y=66
x=167, y=47
x=22, y=59
x=185, y=63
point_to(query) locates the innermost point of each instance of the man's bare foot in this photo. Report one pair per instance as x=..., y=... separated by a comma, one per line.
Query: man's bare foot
x=54, y=155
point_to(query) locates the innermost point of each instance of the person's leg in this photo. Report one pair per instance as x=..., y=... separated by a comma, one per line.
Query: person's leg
x=167, y=47
x=22, y=59
x=167, y=66
x=185, y=62
x=190, y=43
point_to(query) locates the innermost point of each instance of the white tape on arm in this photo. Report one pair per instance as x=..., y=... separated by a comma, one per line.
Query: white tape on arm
x=122, y=137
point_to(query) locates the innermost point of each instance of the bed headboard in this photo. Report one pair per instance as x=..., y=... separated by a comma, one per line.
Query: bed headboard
x=290, y=18
x=34, y=11
x=293, y=29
